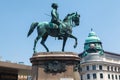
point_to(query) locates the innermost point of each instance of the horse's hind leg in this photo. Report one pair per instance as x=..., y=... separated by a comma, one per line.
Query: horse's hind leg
x=44, y=37
x=35, y=42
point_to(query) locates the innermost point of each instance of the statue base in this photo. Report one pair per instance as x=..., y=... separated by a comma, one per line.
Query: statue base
x=55, y=66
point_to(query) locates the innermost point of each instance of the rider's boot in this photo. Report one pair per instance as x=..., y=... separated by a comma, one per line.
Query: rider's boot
x=60, y=33
x=60, y=37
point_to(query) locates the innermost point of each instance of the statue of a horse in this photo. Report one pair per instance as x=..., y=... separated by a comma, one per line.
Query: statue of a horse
x=47, y=28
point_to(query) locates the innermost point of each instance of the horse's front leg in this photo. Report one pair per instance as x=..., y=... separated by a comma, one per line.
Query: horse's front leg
x=71, y=36
x=64, y=42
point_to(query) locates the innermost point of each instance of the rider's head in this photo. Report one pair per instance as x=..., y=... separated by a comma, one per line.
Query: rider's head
x=54, y=5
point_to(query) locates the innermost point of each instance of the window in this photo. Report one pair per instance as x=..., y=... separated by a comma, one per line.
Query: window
x=29, y=77
x=100, y=67
x=81, y=77
x=111, y=68
x=112, y=76
x=101, y=75
x=88, y=76
x=80, y=69
x=108, y=68
x=87, y=68
x=108, y=76
x=115, y=69
x=93, y=67
x=119, y=69
x=116, y=76
x=94, y=76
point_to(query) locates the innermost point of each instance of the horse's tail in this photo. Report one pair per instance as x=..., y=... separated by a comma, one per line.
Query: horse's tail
x=32, y=27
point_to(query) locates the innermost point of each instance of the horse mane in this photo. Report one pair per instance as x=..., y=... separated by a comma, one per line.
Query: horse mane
x=68, y=16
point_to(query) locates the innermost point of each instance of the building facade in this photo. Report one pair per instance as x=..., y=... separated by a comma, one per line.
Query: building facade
x=14, y=71
x=97, y=64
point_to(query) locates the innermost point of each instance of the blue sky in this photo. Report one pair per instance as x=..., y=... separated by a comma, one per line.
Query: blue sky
x=16, y=17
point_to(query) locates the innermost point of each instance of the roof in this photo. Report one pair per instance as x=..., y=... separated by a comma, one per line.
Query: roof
x=92, y=37
x=111, y=53
x=22, y=69
x=105, y=52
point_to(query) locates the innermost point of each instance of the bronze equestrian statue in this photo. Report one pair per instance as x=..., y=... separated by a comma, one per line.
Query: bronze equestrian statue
x=62, y=30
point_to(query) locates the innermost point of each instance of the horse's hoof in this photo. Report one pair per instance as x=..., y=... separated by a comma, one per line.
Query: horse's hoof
x=62, y=50
x=75, y=46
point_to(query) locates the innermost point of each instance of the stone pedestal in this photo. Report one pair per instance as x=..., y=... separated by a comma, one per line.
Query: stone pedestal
x=55, y=66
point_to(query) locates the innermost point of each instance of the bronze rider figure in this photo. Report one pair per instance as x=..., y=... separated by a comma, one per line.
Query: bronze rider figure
x=55, y=18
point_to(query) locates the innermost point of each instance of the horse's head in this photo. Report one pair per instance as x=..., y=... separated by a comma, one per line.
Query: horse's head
x=75, y=18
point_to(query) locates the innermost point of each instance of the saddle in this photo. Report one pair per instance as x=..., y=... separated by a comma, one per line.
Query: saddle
x=54, y=28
